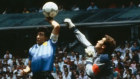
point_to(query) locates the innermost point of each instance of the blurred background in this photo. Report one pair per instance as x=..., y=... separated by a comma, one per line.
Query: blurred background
x=16, y=6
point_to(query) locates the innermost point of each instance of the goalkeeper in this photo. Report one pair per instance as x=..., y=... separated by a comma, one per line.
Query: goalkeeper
x=98, y=61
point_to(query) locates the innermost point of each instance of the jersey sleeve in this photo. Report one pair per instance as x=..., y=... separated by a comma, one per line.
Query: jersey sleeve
x=82, y=38
x=54, y=38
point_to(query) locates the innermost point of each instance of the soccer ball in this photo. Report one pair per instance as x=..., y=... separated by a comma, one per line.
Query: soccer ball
x=50, y=9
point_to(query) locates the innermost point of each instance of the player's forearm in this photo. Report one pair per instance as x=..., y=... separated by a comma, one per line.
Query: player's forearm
x=90, y=51
x=54, y=24
x=56, y=27
x=81, y=37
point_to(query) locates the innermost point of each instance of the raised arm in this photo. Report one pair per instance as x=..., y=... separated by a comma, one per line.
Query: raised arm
x=55, y=31
x=55, y=25
x=81, y=37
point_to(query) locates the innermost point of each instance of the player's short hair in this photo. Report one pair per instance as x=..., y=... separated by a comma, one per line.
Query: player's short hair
x=45, y=30
x=110, y=44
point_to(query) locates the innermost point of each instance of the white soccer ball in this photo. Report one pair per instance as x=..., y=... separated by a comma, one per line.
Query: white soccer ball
x=50, y=9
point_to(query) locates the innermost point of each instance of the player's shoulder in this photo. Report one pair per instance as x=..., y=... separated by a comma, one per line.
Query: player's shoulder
x=34, y=46
x=104, y=58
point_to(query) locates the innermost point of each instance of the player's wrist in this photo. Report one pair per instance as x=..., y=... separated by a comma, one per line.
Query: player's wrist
x=73, y=29
x=49, y=19
x=69, y=23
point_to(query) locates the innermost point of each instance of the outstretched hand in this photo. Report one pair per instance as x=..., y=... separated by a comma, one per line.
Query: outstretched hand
x=69, y=23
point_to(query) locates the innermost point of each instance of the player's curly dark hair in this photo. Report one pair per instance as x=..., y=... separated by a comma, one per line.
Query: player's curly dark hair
x=46, y=30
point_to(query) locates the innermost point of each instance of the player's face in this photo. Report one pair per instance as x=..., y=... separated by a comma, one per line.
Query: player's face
x=99, y=45
x=40, y=38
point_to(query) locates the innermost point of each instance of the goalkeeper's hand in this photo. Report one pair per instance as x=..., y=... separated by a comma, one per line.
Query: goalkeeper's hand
x=69, y=23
